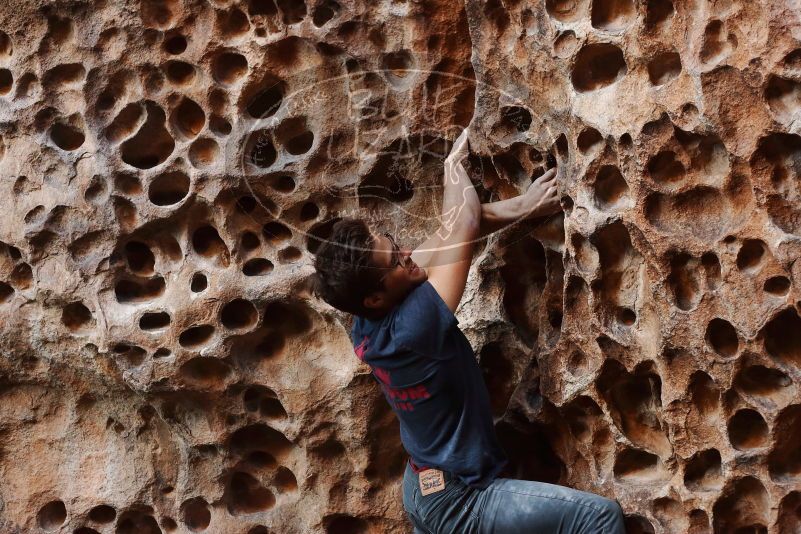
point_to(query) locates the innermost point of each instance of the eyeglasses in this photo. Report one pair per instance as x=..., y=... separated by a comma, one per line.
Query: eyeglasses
x=396, y=255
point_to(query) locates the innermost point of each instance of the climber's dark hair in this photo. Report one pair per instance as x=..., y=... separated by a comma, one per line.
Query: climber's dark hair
x=345, y=273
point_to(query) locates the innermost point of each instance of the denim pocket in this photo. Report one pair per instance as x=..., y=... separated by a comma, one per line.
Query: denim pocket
x=442, y=507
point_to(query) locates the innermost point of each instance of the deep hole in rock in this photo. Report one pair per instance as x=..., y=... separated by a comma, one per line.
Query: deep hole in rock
x=75, y=316
x=683, y=280
x=137, y=522
x=289, y=255
x=249, y=241
x=260, y=437
x=168, y=188
x=398, y=66
x=195, y=336
x=704, y=394
x=711, y=265
x=102, y=513
x=747, y=430
x=498, y=374
x=531, y=456
x=722, y=337
x=309, y=211
x=589, y=139
x=66, y=136
x=238, y=314
x=126, y=122
x=293, y=134
x=199, y=283
x=6, y=46
x=789, y=519
x=203, y=152
x=188, y=118
x=345, y=524
x=612, y=15
x=63, y=75
x=285, y=480
x=272, y=408
x=232, y=23
x=783, y=96
x=777, y=285
x=276, y=232
x=152, y=144
x=6, y=291
x=596, y=66
x=665, y=168
x=175, y=44
x=637, y=467
x=626, y=316
x=657, y=12
x=703, y=471
x=329, y=450
x=245, y=495
x=229, y=67
x=259, y=149
x=257, y=267
x=516, y=118
x=139, y=290
x=610, y=187
x=634, y=401
x=206, y=371
x=127, y=184
x=751, y=255
x=52, y=515
x=180, y=72
x=132, y=355
x=761, y=381
x=782, y=337
x=169, y=524
x=524, y=275
x=219, y=126
x=154, y=320
x=743, y=508
x=324, y=12
x=6, y=81
x=196, y=514
x=140, y=258
x=265, y=103
x=292, y=11
x=208, y=243
x=664, y=67
x=784, y=459
x=563, y=10
x=282, y=183
x=637, y=524
x=262, y=7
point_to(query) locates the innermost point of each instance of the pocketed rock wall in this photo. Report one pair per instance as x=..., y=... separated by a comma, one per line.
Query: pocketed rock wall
x=169, y=167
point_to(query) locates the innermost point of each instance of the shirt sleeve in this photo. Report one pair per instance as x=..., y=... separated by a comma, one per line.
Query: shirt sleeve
x=423, y=321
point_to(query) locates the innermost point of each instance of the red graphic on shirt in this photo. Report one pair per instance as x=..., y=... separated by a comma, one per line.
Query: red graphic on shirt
x=398, y=396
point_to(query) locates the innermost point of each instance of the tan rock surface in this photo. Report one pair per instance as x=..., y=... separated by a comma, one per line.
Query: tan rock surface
x=168, y=164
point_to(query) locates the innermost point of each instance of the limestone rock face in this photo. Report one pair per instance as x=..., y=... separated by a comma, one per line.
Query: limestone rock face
x=170, y=166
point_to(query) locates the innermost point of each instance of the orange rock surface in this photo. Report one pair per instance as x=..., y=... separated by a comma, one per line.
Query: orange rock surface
x=169, y=167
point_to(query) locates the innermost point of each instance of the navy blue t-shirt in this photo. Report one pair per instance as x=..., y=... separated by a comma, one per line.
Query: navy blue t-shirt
x=430, y=377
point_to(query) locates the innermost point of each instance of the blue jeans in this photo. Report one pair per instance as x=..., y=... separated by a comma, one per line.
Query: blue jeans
x=508, y=506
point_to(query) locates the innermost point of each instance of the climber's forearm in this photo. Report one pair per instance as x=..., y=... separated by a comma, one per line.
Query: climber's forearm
x=500, y=214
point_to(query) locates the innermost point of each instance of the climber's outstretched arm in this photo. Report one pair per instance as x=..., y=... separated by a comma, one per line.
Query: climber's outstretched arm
x=446, y=256
x=540, y=199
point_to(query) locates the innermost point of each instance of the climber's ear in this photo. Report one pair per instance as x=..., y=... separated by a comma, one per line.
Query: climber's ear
x=375, y=300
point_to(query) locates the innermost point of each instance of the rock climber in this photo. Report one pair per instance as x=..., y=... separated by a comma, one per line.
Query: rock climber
x=403, y=303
